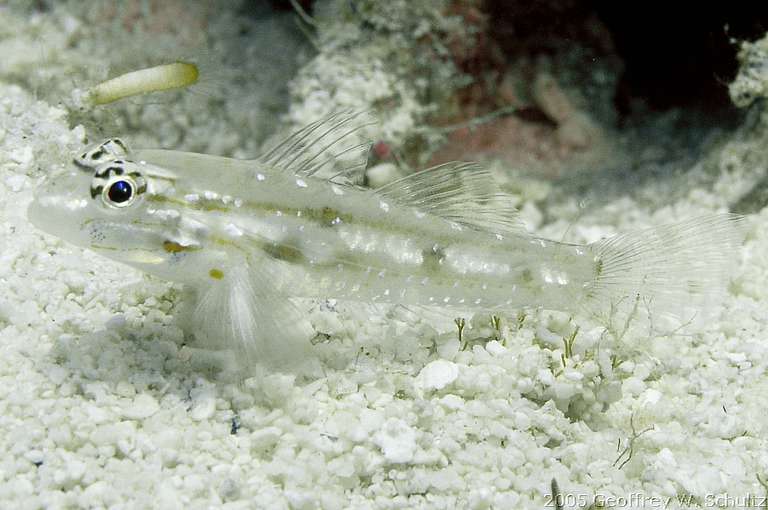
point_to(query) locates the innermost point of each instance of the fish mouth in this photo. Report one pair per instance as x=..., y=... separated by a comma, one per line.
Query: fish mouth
x=60, y=203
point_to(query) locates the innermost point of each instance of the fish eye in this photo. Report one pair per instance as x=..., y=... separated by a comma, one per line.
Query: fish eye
x=120, y=193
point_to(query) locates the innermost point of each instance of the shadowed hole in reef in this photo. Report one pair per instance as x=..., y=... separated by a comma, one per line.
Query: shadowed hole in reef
x=674, y=54
x=671, y=63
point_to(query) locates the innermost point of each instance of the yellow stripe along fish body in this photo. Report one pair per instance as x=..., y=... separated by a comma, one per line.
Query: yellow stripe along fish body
x=247, y=236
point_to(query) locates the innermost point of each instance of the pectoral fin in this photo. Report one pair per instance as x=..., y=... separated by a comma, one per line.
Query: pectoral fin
x=243, y=313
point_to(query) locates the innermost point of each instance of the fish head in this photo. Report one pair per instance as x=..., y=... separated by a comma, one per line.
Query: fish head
x=101, y=203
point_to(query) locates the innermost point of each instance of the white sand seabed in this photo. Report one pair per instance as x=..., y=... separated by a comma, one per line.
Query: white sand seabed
x=101, y=407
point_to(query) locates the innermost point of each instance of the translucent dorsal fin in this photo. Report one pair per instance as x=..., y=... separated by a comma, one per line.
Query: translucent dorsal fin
x=332, y=147
x=461, y=192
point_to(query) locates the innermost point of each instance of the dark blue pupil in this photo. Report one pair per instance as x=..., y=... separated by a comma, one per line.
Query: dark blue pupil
x=120, y=192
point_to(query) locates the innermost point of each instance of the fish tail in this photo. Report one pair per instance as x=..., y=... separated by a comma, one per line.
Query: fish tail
x=667, y=270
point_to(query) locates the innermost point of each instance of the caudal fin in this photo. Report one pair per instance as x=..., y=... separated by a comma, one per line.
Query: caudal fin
x=667, y=270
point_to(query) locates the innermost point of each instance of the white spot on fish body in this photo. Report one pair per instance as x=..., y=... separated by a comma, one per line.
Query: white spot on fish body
x=166, y=214
x=412, y=257
x=76, y=204
x=210, y=195
x=301, y=183
x=337, y=190
x=232, y=230
x=384, y=206
x=260, y=177
x=192, y=197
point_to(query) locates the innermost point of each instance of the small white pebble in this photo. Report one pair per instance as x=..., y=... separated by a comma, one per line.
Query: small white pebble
x=495, y=348
x=437, y=374
x=203, y=404
x=143, y=406
x=16, y=182
x=381, y=174
x=265, y=437
x=116, y=322
x=21, y=155
x=397, y=441
x=229, y=490
x=34, y=456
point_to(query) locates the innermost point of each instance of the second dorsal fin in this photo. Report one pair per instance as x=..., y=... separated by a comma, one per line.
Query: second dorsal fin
x=464, y=193
x=331, y=147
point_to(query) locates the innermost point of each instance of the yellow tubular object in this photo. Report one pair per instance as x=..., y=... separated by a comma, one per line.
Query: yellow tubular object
x=144, y=81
